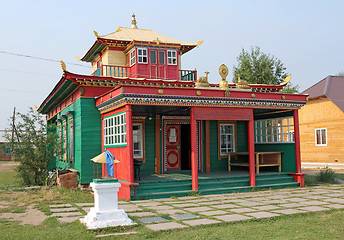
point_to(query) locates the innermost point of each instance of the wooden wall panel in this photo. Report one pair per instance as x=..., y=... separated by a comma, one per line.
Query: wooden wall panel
x=322, y=113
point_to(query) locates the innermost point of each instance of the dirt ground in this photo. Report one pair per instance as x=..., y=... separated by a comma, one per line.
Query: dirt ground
x=8, y=166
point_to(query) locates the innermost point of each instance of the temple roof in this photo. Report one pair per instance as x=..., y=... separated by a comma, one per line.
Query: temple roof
x=134, y=34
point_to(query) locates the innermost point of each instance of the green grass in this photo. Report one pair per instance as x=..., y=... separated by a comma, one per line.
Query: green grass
x=320, y=225
x=9, y=179
x=339, y=176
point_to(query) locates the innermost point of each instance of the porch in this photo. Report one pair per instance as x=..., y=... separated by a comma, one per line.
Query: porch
x=180, y=184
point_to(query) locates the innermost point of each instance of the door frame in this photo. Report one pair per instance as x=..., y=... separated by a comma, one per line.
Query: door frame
x=166, y=120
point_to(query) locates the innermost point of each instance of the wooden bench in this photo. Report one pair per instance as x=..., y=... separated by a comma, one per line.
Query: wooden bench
x=263, y=159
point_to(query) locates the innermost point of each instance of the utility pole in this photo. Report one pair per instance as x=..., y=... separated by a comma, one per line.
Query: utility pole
x=13, y=122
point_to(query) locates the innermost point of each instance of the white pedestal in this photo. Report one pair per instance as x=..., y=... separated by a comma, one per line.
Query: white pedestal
x=105, y=212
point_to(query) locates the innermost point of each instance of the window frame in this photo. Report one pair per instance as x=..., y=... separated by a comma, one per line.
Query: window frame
x=172, y=58
x=281, y=130
x=115, y=130
x=150, y=56
x=231, y=123
x=143, y=56
x=71, y=140
x=132, y=57
x=159, y=62
x=321, y=137
x=142, y=124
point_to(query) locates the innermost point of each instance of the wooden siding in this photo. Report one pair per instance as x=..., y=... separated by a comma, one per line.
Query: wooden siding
x=322, y=113
x=148, y=167
x=114, y=58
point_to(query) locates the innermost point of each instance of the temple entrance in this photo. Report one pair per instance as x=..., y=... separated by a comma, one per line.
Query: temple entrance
x=177, y=145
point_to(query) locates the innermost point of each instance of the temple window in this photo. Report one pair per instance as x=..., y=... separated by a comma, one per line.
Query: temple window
x=138, y=140
x=142, y=55
x=227, y=138
x=321, y=137
x=71, y=140
x=132, y=58
x=275, y=130
x=171, y=57
x=161, y=57
x=114, y=128
x=152, y=55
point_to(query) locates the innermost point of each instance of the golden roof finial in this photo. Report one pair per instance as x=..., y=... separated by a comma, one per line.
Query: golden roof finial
x=63, y=65
x=96, y=34
x=223, y=71
x=133, y=22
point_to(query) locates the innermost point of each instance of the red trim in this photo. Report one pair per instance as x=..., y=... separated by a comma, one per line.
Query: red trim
x=208, y=113
x=250, y=139
x=194, y=155
x=297, y=141
x=299, y=177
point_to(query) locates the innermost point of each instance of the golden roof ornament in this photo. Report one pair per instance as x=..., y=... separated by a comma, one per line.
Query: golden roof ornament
x=133, y=22
x=202, y=82
x=63, y=66
x=242, y=84
x=96, y=34
x=223, y=71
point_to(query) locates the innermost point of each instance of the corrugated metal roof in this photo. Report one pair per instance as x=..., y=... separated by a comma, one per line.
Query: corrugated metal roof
x=332, y=87
x=133, y=34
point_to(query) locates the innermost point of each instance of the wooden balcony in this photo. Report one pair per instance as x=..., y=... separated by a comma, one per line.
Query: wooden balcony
x=187, y=75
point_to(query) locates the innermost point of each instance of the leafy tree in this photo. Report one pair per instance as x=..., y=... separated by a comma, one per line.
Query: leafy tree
x=341, y=74
x=34, y=145
x=258, y=67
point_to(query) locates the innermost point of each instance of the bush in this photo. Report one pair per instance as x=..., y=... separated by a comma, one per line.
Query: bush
x=326, y=176
x=34, y=145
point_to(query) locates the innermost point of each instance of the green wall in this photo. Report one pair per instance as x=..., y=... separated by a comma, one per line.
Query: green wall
x=288, y=153
x=87, y=137
x=148, y=167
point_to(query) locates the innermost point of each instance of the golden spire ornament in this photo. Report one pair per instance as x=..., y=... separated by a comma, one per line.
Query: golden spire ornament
x=223, y=71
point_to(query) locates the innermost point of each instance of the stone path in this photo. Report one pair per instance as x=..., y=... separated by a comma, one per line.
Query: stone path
x=185, y=212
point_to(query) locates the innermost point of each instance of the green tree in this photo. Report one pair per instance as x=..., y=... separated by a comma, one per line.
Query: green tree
x=258, y=67
x=341, y=74
x=34, y=145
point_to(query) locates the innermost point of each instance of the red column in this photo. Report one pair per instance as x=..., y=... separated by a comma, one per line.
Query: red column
x=194, y=157
x=297, y=141
x=130, y=153
x=250, y=139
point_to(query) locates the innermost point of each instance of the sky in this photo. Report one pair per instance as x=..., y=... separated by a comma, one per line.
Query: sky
x=307, y=36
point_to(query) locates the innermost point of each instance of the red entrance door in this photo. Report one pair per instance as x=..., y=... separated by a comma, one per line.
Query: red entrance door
x=173, y=151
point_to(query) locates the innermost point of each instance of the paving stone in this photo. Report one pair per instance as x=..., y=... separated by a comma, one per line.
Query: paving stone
x=277, y=201
x=317, y=197
x=183, y=216
x=86, y=209
x=249, y=204
x=130, y=208
x=67, y=219
x=197, y=200
x=212, y=213
x=187, y=198
x=198, y=209
x=291, y=205
x=60, y=205
x=335, y=195
x=262, y=214
x=277, y=197
x=232, y=218
x=296, y=199
x=243, y=210
x=313, y=203
x=85, y=204
x=258, y=199
x=170, y=212
x=149, y=204
x=313, y=208
x=186, y=205
x=166, y=226
x=152, y=219
x=115, y=234
x=164, y=200
x=70, y=209
x=336, y=200
x=335, y=206
x=224, y=206
x=66, y=214
x=210, y=203
x=288, y=211
x=141, y=214
x=266, y=207
x=163, y=207
x=200, y=222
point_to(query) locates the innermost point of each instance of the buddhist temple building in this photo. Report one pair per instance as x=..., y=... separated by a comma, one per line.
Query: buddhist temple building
x=171, y=130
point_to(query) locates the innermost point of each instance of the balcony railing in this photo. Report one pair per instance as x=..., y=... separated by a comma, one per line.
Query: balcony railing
x=187, y=75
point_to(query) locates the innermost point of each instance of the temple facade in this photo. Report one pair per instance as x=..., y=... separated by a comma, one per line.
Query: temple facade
x=173, y=132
